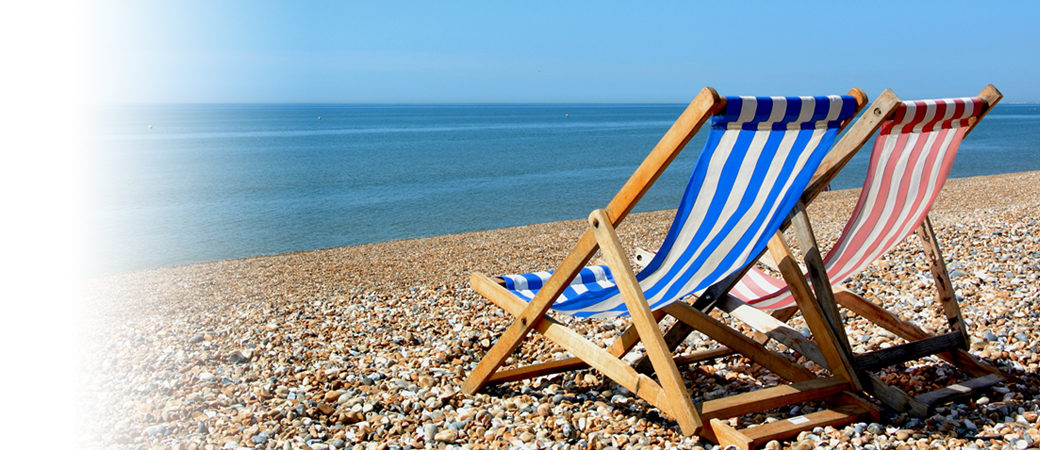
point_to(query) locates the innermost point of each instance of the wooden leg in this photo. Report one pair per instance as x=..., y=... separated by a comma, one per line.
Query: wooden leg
x=943, y=284
x=838, y=361
x=818, y=276
x=642, y=319
x=678, y=333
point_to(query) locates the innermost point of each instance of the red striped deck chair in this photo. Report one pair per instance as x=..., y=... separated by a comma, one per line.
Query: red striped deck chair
x=760, y=156
x=911, y=159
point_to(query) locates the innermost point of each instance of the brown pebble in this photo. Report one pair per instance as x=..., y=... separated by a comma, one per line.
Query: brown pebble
x=446, y=436
x=332, y=396
x=544, y=409
x=802, y=445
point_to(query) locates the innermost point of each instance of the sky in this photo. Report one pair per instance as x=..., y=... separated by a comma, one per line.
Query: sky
x=431, y=52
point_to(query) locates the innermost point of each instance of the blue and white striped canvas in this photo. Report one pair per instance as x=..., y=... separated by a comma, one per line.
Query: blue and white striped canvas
x=760, y=154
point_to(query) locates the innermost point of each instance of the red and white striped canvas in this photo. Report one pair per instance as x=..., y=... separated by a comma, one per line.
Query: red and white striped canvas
x=911, y=159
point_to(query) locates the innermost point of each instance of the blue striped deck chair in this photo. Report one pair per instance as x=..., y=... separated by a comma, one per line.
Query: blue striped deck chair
x=760, y=155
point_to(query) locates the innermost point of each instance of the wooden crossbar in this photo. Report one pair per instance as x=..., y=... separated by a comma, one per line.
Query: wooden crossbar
x=752, y=437
x=958, y=390
x=898, y=354
x=906, y=330
x=772, y=397
x=569, y=364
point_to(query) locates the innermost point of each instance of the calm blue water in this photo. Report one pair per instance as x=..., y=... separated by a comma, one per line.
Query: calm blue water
x=210, y=182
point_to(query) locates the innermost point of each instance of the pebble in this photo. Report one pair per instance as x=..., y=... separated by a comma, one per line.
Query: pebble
x=333, y=396
x=446, y=436
x=804, y=445
x=875, y=428
x=544, y=410
x=237, y=358
x=366, y=346
x=430, y=432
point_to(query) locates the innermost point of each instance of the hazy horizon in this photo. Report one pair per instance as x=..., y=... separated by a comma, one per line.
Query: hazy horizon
x=581, y=52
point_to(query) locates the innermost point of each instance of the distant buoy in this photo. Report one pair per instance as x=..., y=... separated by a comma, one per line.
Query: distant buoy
x=149, y=127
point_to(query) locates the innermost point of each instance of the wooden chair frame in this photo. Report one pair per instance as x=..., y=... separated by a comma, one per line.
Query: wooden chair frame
x=669, y=393
x=951, y=346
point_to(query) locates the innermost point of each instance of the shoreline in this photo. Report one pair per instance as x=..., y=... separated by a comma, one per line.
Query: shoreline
x=951, y=183
x=366, y=344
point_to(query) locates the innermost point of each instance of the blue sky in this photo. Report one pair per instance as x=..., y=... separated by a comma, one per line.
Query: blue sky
x=258, y=51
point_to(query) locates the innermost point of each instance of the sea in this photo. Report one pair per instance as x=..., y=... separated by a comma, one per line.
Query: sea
x=173, y=184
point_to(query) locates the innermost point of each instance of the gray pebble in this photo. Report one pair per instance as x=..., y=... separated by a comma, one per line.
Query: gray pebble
x=568, y=430
x=970, y=425
x=429, y=431
x=237, y=358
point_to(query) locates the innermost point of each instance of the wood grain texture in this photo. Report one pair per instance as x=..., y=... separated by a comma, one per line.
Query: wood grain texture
x=898, y=354
x=838, y=362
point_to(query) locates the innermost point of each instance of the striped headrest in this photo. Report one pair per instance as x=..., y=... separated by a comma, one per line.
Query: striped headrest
x=922, y=116
x=784, y=113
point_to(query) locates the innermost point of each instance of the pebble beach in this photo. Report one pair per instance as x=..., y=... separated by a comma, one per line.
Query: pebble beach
x=366, y=346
